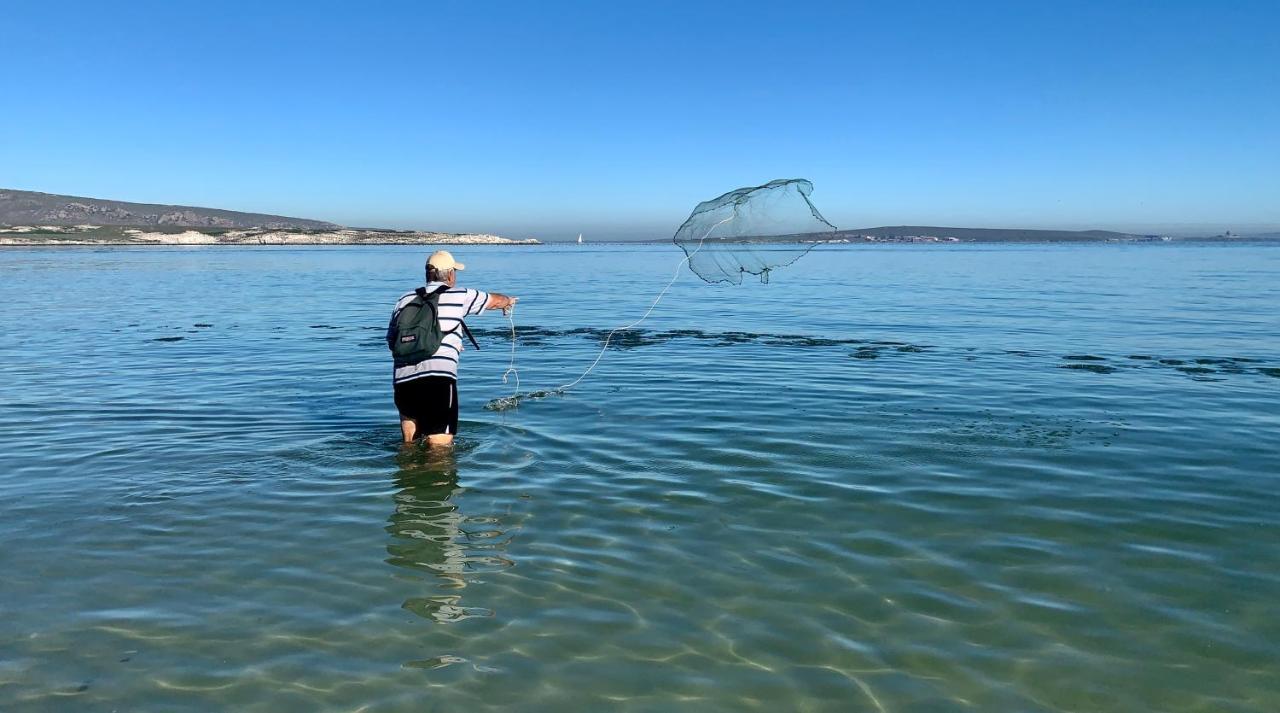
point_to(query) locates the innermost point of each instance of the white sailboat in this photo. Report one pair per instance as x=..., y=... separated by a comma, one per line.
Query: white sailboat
x=579, y=238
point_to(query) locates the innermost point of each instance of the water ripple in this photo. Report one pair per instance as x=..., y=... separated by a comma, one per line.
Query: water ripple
x=1036, y=483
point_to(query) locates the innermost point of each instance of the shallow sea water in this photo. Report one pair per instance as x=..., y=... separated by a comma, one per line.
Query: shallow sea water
x=897, y=478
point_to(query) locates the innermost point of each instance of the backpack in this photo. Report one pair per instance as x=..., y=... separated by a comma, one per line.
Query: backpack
x=414, y=334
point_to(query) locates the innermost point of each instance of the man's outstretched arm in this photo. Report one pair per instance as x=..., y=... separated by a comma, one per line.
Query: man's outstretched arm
x=498, y=301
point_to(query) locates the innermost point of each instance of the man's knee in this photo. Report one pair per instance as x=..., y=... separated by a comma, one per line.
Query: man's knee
x=440, y=439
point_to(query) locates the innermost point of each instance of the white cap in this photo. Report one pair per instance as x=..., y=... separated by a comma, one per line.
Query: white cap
x=443, y=261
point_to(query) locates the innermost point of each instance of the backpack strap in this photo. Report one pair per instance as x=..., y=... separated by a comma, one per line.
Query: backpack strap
x=422, y=292
x=469, y=336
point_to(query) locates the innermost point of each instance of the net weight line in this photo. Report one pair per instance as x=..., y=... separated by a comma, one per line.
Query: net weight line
x=508, y=402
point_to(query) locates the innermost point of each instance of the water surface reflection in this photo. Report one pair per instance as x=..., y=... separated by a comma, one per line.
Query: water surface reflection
x=431, y=534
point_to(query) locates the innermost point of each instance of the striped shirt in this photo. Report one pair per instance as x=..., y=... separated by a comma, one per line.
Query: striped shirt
x=455, y=304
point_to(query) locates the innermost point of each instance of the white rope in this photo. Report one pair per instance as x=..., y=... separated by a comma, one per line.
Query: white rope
x=511, y=368
x=648, y=312
x=507, y=402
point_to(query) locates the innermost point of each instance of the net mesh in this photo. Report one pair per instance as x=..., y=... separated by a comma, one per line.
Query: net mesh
x=752, y=231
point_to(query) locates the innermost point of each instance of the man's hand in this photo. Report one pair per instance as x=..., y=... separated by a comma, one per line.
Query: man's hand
x=502, y=302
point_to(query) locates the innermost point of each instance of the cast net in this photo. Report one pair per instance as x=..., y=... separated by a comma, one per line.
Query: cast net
x=748, y=231
x=752, y=231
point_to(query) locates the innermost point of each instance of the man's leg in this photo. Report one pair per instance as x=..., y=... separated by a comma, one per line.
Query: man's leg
x=433, y=401
x=449, y=416
x=408, y=428
x=440, y=440
x=404, y=399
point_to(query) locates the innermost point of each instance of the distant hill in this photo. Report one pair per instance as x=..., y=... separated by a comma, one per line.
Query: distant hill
x=31, y=208
x=993, y=235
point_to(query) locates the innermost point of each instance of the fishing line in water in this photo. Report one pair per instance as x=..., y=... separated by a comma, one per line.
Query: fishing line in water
x=511, y=367
x=643, y=317
x=507, y=402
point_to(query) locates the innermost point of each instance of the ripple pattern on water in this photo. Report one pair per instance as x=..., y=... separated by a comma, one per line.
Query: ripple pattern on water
x=1025, y=489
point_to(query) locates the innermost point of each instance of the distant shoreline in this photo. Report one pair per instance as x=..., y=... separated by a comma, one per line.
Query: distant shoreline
x=16, y=244
x=140, y=245
x=123, y=236
x=35, y=219
x=52, y=236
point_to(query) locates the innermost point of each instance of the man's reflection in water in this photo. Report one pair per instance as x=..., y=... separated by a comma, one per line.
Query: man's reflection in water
x=430, y=534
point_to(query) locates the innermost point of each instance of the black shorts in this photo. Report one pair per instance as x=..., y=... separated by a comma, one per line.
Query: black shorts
x=430, y=401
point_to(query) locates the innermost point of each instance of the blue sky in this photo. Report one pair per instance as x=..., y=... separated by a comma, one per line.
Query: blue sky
x=550, y=118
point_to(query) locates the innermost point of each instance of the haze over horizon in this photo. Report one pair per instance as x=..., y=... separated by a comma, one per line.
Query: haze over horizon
x=560, y=118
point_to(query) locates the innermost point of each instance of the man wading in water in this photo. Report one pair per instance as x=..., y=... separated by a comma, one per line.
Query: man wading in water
x=425, y=338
